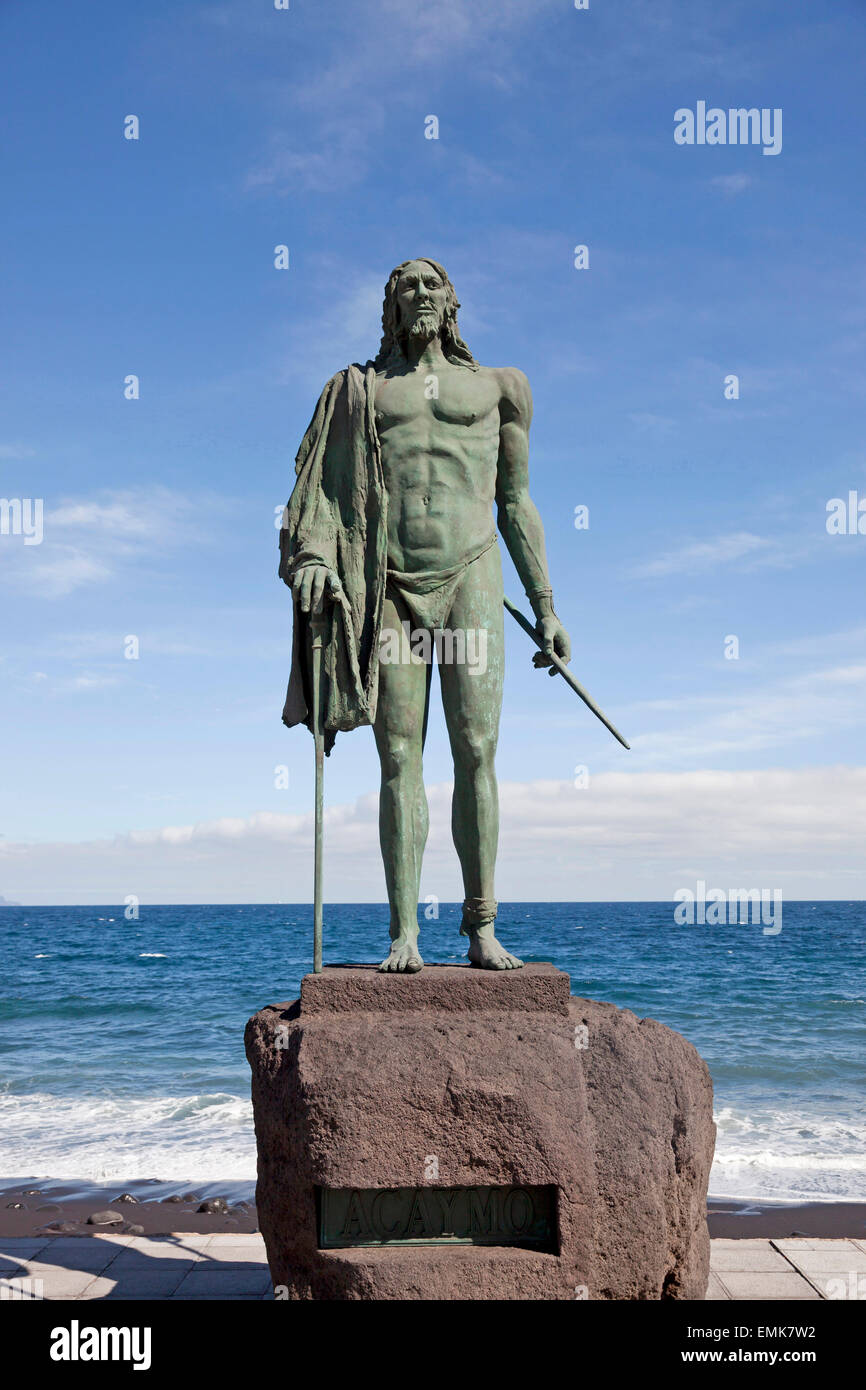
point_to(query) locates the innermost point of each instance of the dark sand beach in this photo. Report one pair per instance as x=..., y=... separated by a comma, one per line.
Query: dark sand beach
x=41, y=1206
x=44, y=1207
x=783, y=1220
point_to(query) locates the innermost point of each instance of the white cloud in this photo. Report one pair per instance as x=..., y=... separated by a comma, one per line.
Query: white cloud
x=89, y=681
x=649, y=422
x=87, y=540
x=742, y=720
x=400, y=36
x=627, y=835
x=55, y=573
x=398, y=49
x=349, y=331
x=732, y=184
x=814, y=644
x=705, y=555
x=338, y=161
x=122, y=516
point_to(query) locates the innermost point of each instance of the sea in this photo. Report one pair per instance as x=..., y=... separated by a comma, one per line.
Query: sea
x=121, y=1041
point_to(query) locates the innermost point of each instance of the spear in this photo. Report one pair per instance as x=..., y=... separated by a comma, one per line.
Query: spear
x=563, y=670
x=317, y=631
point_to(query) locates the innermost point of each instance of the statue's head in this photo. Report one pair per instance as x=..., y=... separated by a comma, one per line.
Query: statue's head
x=420, y=302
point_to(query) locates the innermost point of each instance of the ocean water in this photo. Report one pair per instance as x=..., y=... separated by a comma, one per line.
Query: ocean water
x=121, y=1042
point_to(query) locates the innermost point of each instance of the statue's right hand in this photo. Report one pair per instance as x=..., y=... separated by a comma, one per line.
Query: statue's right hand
x=313, y=584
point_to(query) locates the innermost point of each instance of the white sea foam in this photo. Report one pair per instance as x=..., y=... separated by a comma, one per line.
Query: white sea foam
x=788, y=1156
x=187, y=1138
x=760, y=1154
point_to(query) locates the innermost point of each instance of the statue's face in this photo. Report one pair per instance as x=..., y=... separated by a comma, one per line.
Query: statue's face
x=421, y=297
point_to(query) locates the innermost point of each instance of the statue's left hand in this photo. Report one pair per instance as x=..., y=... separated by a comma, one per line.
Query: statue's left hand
x=555, y=639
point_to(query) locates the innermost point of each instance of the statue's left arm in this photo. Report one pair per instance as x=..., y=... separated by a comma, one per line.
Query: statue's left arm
x=517, y=515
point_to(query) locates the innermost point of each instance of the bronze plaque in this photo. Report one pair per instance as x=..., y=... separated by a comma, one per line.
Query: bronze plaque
x=524, y=1216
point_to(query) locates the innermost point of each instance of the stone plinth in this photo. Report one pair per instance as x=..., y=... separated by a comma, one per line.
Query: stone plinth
x=553, y=1148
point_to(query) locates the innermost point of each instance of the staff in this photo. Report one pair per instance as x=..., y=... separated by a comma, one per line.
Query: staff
x=563, y=670
x=317, y=631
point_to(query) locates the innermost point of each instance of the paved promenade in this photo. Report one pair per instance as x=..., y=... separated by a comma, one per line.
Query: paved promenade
x=234, y=1267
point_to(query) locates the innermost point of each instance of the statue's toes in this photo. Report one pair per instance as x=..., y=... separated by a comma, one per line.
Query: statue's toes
x=401, y=963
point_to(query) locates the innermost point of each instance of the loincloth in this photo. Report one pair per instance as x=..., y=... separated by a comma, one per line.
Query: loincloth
x=429, y=594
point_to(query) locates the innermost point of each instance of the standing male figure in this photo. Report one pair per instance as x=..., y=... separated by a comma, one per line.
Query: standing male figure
x=390, y=530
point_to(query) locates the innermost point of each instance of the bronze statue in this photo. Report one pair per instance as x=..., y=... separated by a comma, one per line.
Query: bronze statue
x=389, y=547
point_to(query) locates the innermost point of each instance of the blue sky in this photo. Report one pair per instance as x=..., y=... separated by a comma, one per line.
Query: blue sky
x=707, y=516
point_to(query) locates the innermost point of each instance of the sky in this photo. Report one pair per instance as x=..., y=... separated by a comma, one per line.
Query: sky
x=156, y=775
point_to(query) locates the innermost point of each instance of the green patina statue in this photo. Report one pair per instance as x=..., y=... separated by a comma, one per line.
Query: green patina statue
x=388, y=539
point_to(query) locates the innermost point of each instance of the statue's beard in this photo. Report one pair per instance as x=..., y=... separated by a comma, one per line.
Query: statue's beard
x=426, y=325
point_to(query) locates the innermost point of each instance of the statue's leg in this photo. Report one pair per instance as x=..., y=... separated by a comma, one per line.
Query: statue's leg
x=404, y=688
x=472, y=700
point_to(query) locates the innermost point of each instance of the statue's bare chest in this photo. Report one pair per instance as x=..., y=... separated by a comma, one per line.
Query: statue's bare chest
x=454, y=398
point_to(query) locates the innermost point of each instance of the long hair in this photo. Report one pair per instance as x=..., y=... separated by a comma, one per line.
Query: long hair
x=393, y=345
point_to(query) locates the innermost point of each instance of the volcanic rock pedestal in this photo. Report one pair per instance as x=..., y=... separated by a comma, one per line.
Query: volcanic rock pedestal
x=463, y=1133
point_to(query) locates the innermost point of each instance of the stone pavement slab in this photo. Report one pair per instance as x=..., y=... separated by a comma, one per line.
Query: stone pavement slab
x=52, y=1283
x=94, y=1255
x=234, y=1267
x=747, y=1257
x=135, y=1284
x=844, y=1260
x=22, y=1247
x=716, y=1291
x=776, y=1287
x=209, y=1282
x=815, y=1243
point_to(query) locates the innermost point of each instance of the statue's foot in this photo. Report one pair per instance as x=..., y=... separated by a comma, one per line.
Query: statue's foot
x=486, y=952
x=403, y=958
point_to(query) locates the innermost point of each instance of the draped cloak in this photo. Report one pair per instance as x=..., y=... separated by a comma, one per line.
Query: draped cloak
x=337, y=516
